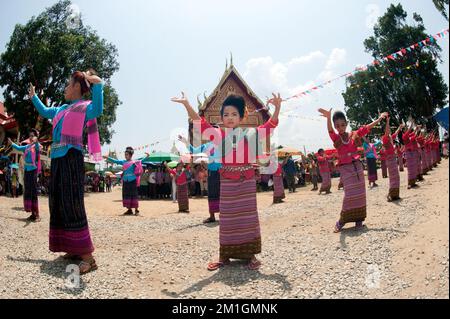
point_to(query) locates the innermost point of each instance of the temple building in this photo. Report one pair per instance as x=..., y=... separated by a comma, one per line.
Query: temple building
x=8, y=125
x=232, y=83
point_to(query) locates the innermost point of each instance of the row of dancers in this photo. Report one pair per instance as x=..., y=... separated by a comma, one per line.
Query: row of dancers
x=231, y=170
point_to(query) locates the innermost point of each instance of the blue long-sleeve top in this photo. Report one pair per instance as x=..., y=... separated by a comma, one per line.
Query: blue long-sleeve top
x=28, y=160
x=94, y=110
x=214, y=161
x=369, y=151
x=289, y=167
x=128, y=174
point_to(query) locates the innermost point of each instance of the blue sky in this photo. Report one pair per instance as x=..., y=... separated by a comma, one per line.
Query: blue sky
x=287, y=46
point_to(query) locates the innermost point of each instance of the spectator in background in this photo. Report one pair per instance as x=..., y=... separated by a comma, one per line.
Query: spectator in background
x=289, y=171
x=159, y=183
x=167, y=188
x=14, y=183
x=302, y=175
x=314, y=173
x=143, y=187
x=152, y=184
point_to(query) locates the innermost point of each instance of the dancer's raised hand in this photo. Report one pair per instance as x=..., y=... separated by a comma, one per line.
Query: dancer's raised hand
x=182, y=100
x=276, y=100
x=384, y=115
x=91, y=77
x=182, y=139
x=325, y=113
x=31, y=91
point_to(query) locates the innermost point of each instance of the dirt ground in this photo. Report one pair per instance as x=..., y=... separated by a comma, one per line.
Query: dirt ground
x=402, y=252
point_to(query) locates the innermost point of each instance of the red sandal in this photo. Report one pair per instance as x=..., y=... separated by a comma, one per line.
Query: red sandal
x=254, y=264
x=217, y=265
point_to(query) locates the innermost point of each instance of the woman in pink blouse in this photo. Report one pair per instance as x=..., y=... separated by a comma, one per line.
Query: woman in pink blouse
x=350, y=167
x=239, y=230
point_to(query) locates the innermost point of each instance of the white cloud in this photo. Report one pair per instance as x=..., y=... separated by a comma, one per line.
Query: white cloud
x=307, y=58
x=264, y=75
x=337, y=58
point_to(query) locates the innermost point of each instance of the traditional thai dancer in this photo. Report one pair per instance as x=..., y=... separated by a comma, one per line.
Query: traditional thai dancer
x=422, y=152
x=428, y=153
x=179, y=174
x=132, y=171
x=391, y=162
x=409, y=138
x=69, y=230
x=354, y=205
x=32, y=169
x=370, y=153
x=240, y=236
x=341, y=184
x=417, y=133
x=214, y=166
x=382, y=157
x=325, y=172
x=278, y=185
x=399, y=149
x=436, y=154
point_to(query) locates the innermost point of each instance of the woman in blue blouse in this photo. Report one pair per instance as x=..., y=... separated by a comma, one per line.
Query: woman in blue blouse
x=32, y=169
x=69, y=230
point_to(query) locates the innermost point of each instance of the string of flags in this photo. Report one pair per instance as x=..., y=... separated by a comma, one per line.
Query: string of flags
x=391, y=57
x=392, y=73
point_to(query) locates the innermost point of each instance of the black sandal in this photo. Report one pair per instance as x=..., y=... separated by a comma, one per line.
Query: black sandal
x=209, y=220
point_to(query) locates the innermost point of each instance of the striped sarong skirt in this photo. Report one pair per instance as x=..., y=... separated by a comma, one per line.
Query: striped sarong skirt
x=428, y=160
x=411, y=163
x=394, y=177
x=419, y=163
x=69, y=230
x=400, y=163
x=341, y=183
x=239, y=229
x=326, y=182
x=213, y=191
x=354, y=205
x=130, y=198
x=30, y=194
x=384, y=170
x=372, y=171
x=423, y=161
x=278, y=189
x=183, y=197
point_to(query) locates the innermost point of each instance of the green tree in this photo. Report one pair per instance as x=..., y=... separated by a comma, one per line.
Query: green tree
x=442, y=6
x=45, y=51
x=410, y=86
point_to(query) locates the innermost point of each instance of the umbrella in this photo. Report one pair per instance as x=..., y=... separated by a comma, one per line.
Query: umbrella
x=186, y=158
x=109, y=173
x=160, y=157
x=287, y=151
x=200, y=155
x=201, y=160
x=91, y=173
x=14, y=165
x=442, y=118
x=172, y=164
